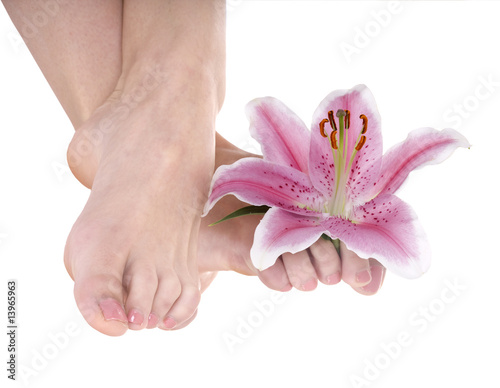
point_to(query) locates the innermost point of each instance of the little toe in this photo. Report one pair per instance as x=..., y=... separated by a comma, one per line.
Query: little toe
x=300, y=270
x=326, y=261
x=184, y=307
x=168, y=291
x=141, y=283
x=355, y=270
x=275, y=277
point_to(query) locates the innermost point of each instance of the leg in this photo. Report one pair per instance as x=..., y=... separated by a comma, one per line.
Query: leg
x=85, y=92
x=78, y=49
x=152, y=153
x=131, y=252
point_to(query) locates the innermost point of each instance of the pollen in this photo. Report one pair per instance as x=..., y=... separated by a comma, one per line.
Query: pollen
x=332, y=120
x=361, y=143
x=333, y=140
x=322, y=127
x=365, y=124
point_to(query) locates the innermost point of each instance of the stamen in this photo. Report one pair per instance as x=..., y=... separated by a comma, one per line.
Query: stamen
x=361, y=142
x=332, y=120
x=333, y=140
x=365, y=124
x=347, y=119
x=322, y=127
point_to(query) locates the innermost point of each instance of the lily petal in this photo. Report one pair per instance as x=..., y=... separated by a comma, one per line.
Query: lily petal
x=280, y=232
x=259, y=182
x=422, y=147
x=366, y=165
x=388, y=230
x=282, y=134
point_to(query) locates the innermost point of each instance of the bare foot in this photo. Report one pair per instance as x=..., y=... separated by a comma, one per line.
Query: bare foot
x=132, y=251
x=226, y=246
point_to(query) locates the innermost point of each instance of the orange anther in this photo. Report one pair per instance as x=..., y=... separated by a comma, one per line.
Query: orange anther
x=333, y=140
x=322, y=127
x=361, y=143
x=365, y=123
x=332, y=120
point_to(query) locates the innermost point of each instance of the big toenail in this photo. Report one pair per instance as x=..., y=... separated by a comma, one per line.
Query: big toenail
x=169, y=323
x=152, y=321
x=135, y=317
x=363, y=276
x=112, y=311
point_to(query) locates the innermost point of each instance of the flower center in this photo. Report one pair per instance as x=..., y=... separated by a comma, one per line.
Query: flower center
x=339, y=142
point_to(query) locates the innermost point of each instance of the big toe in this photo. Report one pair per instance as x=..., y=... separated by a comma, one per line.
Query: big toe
x=98, y=298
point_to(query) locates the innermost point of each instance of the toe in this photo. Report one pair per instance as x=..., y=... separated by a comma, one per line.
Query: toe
x=168, y=291
x=275, y=277
x=141, y=282
x=300, y=270
x=378, y=274
x=99, y=299
x=326, y=261
x=364, y=276
x=184, y=307
x=185, y=323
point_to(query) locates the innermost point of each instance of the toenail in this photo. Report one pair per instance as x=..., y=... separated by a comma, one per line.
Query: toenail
x=135, y=317
x=152, y=321
x=334, y=279
x=363, y=277
x=169, y=323
x=112, y=311
x=378, y=273
x=287, y=288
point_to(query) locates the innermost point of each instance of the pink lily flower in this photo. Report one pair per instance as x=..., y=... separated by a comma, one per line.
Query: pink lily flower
x=333, y=180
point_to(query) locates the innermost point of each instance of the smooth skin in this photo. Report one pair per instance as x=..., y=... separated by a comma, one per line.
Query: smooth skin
x=142, y=83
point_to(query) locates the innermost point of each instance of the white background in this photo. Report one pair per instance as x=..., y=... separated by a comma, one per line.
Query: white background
x=425, y=62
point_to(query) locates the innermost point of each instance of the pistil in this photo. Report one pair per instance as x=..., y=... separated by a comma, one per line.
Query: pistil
x=337, y=205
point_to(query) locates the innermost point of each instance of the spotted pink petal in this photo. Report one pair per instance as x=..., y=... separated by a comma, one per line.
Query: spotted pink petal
x=366, y=166
x=422, y=147
x=282, y=134
x=388, y=230
x=259, y=182
x=280, y=232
